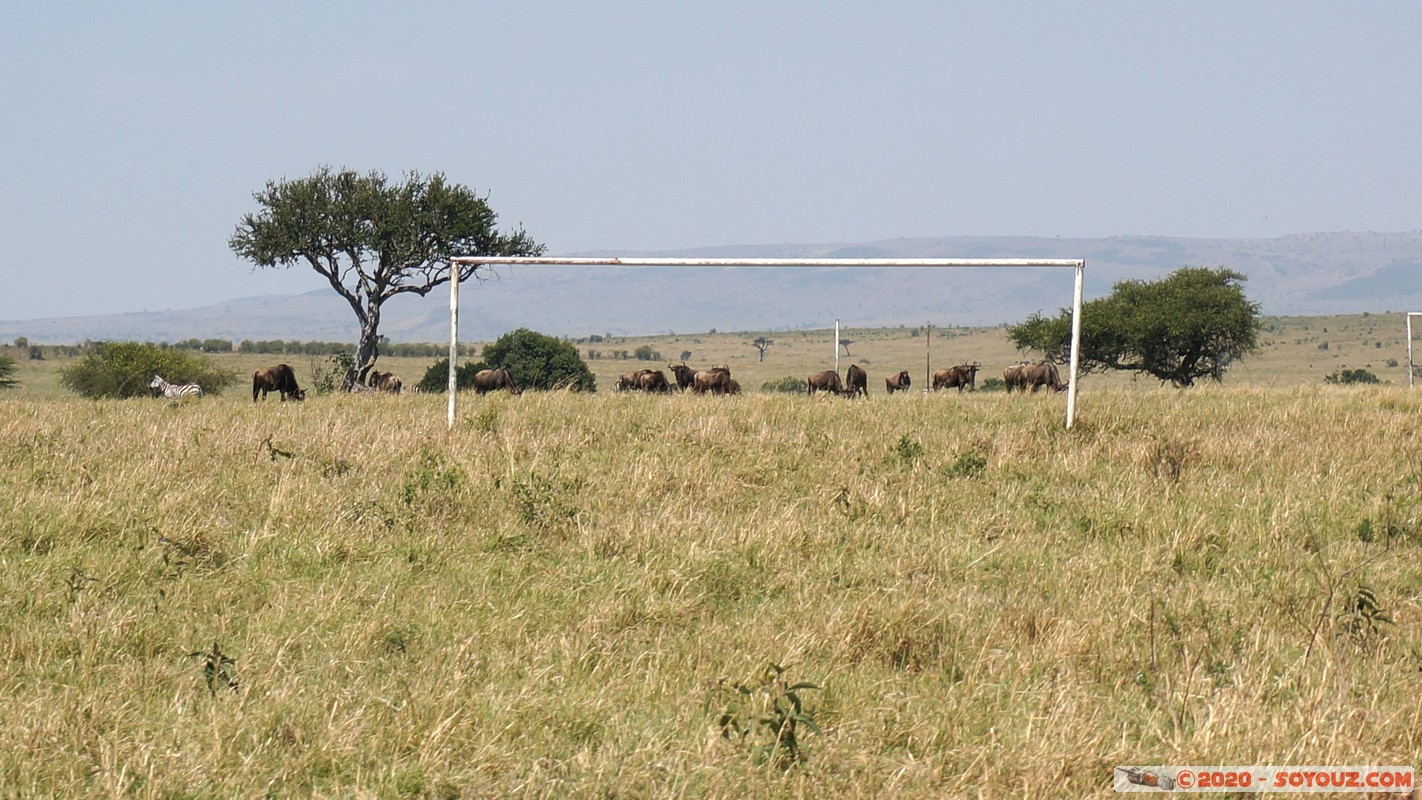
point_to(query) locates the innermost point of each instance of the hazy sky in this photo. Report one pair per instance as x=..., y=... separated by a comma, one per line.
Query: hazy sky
x=134, y=134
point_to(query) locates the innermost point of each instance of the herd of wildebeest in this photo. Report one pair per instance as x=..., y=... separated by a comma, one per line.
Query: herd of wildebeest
x=717, y=380
x=714, y=380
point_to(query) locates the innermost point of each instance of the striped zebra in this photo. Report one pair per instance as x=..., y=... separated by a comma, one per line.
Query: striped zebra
x=175, y=391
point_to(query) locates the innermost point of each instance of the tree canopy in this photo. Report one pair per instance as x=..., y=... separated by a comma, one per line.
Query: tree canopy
x=1188, y=325
x=536, y=361
x=372, y=238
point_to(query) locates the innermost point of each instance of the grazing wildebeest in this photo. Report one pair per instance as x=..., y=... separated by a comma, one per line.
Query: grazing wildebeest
x=175, y=391
x=827, y=381
x=685, y=376
x=732, y=387
x=898, y=383
x=281, y=378
x=385, y=382
x=856, y=381
x=488, y=380
x=716, y=380
x=1039, y=375
x=653, y=380
x=1012, y=377
x=959, y=376
x=627, y=381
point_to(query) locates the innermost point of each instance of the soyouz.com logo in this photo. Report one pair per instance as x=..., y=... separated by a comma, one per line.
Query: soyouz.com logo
x=1263, y=779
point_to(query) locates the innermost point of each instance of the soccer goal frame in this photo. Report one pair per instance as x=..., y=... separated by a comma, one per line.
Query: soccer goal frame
x=1079, y=265
x=1411, y=369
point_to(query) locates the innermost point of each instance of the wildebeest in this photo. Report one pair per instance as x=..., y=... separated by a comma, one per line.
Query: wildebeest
x=281, y=378
x=488, y=380
x=733, y=387
x=856, y=381
x=653, y=380
x=1012, y=377
x=959, y=376
x=716, y=380
x=898, y=383
x=1021, y=376
x=827, y=381
x=685, y=376
x=385, y=382
x=175, y=391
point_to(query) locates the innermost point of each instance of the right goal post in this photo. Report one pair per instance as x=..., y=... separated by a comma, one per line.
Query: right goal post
x=1411, y=367
x=1078, y=265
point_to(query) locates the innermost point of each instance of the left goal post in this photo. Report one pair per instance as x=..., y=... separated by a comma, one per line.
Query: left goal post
x=1079, y=265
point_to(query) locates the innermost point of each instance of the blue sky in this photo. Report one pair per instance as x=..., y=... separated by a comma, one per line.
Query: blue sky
x=134, y=134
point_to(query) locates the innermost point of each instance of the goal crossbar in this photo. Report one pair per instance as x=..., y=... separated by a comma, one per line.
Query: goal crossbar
x=1079, y=265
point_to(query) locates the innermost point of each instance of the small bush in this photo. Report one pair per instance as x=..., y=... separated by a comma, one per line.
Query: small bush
x=537, y=361
x=7, y=373
x=124, y=369
x=1351, y=376
x=326, y=377
x=908, y=449
x=436, y=378
x=786, y=385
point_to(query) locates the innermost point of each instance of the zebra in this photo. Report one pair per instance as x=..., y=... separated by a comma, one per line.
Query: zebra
x=175, y=391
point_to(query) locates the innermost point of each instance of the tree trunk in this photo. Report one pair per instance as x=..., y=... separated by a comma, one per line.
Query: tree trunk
x=368, y=349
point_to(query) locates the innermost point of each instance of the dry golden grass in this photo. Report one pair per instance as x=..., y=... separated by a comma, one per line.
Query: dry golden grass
x=541, y=603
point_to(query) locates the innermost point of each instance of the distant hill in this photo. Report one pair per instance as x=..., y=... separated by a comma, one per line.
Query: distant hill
x=1306, y=274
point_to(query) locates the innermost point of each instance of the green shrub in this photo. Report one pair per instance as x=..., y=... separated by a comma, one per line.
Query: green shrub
x=7, y=373
x=328, y=377
x=1352, y=376
x=786, y=385
x=537, y=361
x=436, y=378
x=124, y=369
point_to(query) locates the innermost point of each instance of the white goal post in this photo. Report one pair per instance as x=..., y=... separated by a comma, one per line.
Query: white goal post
x=1079, y=265
x=1411, y=370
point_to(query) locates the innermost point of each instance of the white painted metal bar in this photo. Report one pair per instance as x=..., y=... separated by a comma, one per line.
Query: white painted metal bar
x=1075, y=343
x=1078, y=264
x=453, y=337
x=770, y=262
x=1410, y=368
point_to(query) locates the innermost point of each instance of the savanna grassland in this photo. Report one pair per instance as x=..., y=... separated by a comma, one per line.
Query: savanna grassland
x=557, y=598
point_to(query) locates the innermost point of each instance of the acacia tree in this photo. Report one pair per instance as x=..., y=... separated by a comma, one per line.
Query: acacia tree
x=1188, y=325
x=762, y=344
x=372, y=238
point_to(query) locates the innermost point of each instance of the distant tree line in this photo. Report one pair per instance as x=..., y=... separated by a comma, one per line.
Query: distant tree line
x=644, y=353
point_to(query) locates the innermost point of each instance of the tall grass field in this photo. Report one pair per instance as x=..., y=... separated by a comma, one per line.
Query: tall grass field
x=624, y=596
